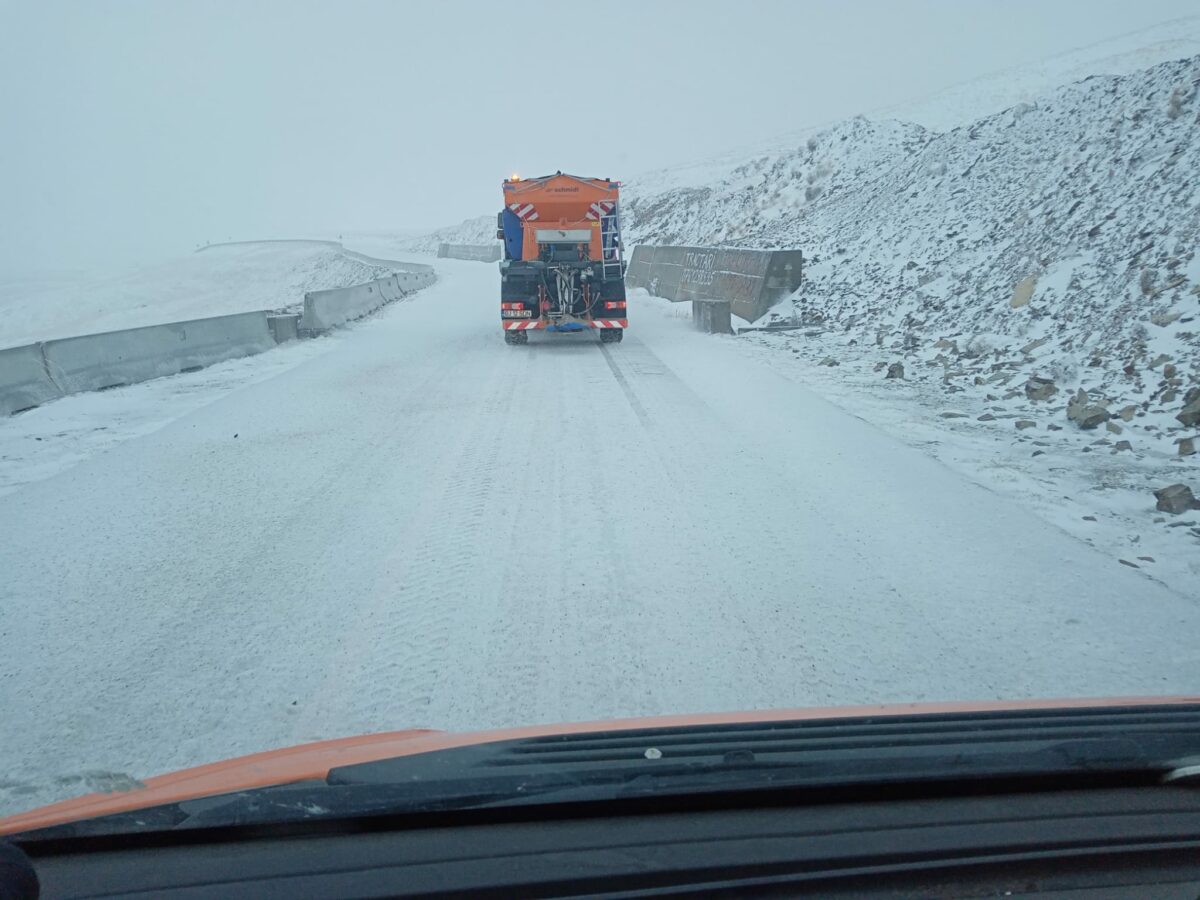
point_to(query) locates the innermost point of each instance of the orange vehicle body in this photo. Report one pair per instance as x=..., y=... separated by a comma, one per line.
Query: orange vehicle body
x=562, y=202
x=313, y=761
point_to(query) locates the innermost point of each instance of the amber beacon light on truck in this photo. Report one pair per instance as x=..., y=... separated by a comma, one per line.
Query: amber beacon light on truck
x=562, y=267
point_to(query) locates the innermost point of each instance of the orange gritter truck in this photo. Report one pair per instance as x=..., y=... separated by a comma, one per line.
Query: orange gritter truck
x=562, y=268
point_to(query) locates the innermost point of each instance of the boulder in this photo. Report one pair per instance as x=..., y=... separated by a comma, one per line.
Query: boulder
x=1190, y=414
x=1127, y=413
x=1022, y=424
x=1187, y=446
x=1113, y=427
x=1123, y=445
x=1023, y=292
x=1086, y=414
x=895, y=370
x=986, y=417
x=1163, y=319
x=1175, y=499
x=1169, y=370
x=1040, y=388
x=829, y=361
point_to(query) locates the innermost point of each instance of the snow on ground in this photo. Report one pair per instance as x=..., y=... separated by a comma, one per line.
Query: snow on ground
x=1075, y=480
x=423, y=526
x=1055, y=241
x=42, y=442
x=216, y=281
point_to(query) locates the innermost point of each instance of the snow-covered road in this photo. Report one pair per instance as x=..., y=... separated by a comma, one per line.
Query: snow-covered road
x=423, y=526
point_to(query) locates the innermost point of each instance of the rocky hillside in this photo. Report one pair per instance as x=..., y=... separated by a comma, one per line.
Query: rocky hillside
x=1055, y=240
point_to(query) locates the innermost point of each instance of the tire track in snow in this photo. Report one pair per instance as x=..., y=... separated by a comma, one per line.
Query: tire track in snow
x=405, y=658
x=691, y=439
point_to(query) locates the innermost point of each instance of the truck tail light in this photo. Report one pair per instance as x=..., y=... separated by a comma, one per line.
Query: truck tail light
x=615, y=304
x=512, y=305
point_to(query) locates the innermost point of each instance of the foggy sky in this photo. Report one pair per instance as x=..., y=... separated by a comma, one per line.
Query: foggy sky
x=135, y=130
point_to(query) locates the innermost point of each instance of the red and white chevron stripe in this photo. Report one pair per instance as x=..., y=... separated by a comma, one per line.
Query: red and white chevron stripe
x=531, y=326
x=598, y=209
x=525, y=211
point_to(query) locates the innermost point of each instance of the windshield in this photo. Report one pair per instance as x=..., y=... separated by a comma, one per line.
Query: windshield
x=375, y=367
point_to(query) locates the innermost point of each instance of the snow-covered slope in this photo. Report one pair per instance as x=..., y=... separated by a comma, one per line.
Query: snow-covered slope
x=215, y=281
x=1091, y=198
x=479, y=230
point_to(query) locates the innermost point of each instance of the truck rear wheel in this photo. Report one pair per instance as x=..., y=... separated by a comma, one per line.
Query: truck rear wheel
x=611, y=335
x=516, y=337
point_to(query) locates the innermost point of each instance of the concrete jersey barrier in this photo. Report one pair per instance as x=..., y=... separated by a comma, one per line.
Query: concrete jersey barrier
x=751, y=280
x=33, y=374
x=24, y=381
x=328, y=309
x=477, y=252
x=96, y=361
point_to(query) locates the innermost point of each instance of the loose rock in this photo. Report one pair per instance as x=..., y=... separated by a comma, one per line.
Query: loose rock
x=1023, y=292
x=895, y=370
x=1190, y=414
x=1040, y=388
x=829, y=361
x=1175, y=499
x=1113, y=427
x=986, y=417
x=1123, y=445
x=1086, y=414
x=1187, y=446
x=1022, y=424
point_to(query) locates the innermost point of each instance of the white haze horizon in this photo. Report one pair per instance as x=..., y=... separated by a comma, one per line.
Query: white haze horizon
x=140, y=130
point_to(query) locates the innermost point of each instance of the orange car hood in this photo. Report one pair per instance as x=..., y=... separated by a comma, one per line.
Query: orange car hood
x=313, y=761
